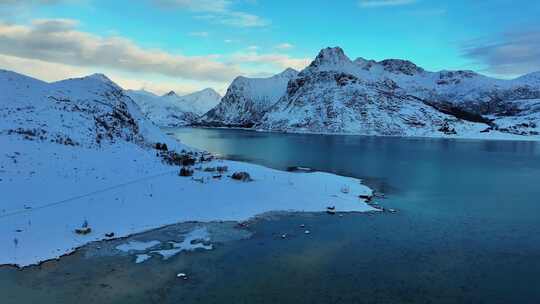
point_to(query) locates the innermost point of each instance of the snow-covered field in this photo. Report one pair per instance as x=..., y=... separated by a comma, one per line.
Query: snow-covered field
x=49, y=190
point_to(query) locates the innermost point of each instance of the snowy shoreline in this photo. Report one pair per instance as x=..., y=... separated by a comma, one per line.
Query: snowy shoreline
x=39, y=225
x=478, y=137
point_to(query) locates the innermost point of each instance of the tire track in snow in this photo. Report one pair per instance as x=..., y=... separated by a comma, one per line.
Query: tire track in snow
x=74, y=198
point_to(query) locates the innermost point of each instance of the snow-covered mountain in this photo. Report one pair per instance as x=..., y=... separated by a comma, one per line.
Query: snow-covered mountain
x=88, y=111
x=201, y=102
x=173, y=110
x=346, y=104
x=247, y=99
x=335, y=94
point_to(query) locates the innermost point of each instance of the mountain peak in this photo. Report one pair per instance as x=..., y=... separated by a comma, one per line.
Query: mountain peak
x=331, y=55
x=288, y=72
x=96, y=79
x=209, y=90
x=171, y=93
x=331, y=58
x=99, y=76
x=205, y=93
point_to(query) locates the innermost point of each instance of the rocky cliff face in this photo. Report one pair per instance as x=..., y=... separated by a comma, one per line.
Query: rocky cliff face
x=247, y=99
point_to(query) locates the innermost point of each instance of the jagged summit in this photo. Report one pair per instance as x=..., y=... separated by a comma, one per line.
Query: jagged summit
x=330, y=58
x=171, y=94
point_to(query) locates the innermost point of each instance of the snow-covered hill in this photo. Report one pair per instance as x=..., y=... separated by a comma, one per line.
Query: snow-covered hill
x=247, y=99
x=89, y=111
x=201, y=102
x=171, y=109
x=335, y=94
x=80, y=151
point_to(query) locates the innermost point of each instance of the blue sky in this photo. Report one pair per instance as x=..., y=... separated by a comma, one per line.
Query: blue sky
x=190, y=44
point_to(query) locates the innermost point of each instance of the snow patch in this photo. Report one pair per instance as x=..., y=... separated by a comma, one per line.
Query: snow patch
x=137, y=246
x=141, y=258
x=192, y=241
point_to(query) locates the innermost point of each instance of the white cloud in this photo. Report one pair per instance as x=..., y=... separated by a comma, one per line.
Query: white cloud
x=216, y=11
x=55, y=49
x=383, y=3
x=508, y=54
x=49, y=71
x=41, y=69
x=284, y=46
x=281, y=61
x=59, y=41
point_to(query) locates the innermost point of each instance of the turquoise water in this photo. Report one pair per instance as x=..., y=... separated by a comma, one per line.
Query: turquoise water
x=468, y=230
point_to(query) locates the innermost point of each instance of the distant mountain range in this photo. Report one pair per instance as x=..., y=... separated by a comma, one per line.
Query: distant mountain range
x=172, y=110
x=335, y=94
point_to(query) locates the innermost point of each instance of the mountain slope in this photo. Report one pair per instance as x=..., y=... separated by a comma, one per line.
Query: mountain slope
x=88, y=111
x=391, y=97
x=336, y=102
x=172, y=110
x=336, y=95
x=200, y=102
x=247, y=99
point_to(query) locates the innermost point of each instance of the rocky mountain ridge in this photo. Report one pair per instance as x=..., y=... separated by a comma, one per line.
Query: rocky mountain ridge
x=247, y=99
x=335, y=94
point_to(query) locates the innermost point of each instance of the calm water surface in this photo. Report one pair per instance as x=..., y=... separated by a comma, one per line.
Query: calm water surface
x=467, y=231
